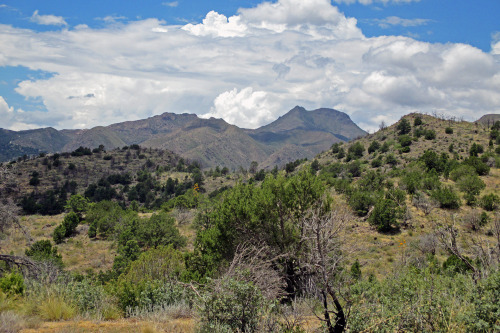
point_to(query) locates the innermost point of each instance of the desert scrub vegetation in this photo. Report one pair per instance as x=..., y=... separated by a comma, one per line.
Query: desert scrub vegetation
x=359, y=239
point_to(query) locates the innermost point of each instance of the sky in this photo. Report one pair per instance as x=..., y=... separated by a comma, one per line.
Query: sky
x=80, y=64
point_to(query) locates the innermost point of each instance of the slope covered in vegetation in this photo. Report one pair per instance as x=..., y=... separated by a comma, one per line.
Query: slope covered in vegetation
x=396, y=231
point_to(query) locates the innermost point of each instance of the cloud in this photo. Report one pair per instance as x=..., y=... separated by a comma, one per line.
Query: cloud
x=369, y=2
x=112, y=18
x=47, y=19
x=218, y=25
x=15, y=120
x=397, y=21
x=249, y=69
x=495, y=44
x=5, y=109
x=171, y=4
x=248, y=108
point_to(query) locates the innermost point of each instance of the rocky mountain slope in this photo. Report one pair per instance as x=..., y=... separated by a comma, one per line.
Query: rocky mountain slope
x=213, y=142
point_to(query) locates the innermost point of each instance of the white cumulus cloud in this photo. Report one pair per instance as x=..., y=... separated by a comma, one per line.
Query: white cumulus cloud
x=248, y=68
x=47, y=19
x=247, y=108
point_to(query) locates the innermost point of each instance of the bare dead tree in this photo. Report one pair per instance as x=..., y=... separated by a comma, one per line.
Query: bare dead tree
x=447, y=236
x=382, y=126
x=257, y=265
x=323, y=241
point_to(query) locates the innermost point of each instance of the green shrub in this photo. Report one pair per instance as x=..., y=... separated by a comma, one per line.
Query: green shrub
x=448, y=130
x=376, y=162
x=490, y=202
x=59, y=234
x=161, y=264
x=418, y=121
x=78, y=203
x=430, y=135
x=70, y=222
x=356, y=150
x=482, y=168
x=404, y=126
x=446, y=197
x=485, y=312
x=361, y=202
x=354, y=168
x=405, y=140
x=336, y=148
x=384, y=148
x=411, y=181
x=461, y=171
x=43, y=250
x=476, y=149
x=12, y=283
x=356, y=270
x=89, y=298
x=232, y=303
x=159, y=230
x=456, y=265
x=391, y=160
x=385, y=215
x=374, y=146
x=341, y=153
x=483, y=219
x=147, y=295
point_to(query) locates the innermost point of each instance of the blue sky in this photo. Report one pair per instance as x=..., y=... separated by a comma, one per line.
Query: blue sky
x=76, y=64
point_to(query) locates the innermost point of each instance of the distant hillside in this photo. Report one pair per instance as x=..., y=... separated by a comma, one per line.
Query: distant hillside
x=442, y=136
x=488, y=119
x=213, y=142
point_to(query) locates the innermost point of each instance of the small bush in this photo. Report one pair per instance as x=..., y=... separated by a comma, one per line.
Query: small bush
x=391, y=160
x=43, y=250
x=476, y=149
x=233, y=304
x=446, y=197
x=405, y=140
x=356, y=270
x=59, y=234
x=430, y=135
x=374, y=146
x=404, y=127
x=361, y=202
x=356, y=150
x=376, y=162
x=448, y=130
x=385, y=215
x=490, y=202
x=418, y=121
x=12, y=283
x=456, y=265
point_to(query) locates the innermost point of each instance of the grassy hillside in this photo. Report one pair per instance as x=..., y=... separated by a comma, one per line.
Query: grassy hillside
x=408, y=219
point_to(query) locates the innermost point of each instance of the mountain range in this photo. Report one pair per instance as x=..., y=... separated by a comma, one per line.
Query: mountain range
x=295, y=135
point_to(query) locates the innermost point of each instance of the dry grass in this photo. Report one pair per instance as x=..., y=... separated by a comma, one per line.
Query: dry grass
x=119, y=326
x=79, y=252
x=55, y=308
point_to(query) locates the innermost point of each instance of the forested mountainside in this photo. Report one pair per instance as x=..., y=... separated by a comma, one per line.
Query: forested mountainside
x=395, y=231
